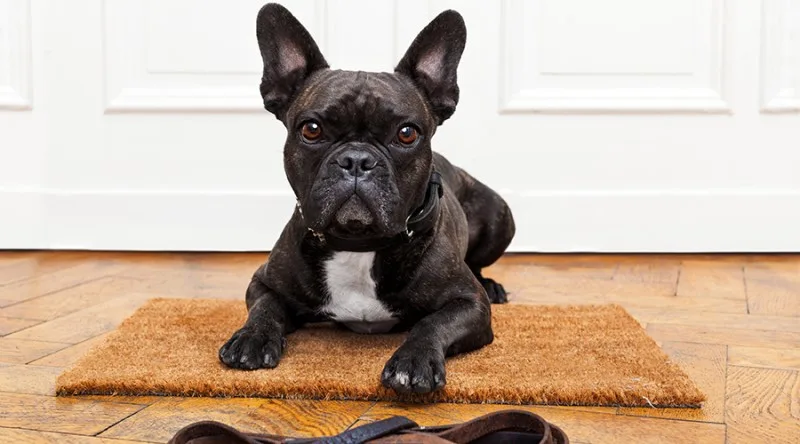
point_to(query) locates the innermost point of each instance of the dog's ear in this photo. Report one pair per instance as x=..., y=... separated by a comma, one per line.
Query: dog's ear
x=289, y=54
x=432, y=61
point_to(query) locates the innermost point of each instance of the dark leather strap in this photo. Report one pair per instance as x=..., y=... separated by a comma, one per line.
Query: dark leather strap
x=368, y=432
x=424, y=218
x=503, y=427
x=516, y=420
x=211, y=432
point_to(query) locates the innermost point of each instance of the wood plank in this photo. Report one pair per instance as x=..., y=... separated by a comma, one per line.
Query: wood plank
x=302, y=418
x=648, y=272
x=85, y=324
x=196, y=267
x=786, y=358
x=22, y=351
x=140, y=264
x=700, y=279
x=715, y=319
x=720, y=335
x=225, y=261
x=46, y=413
x=630, y=295
x=773, y=291
x=8, y=435
x=31, y=379
x=708, y=309
x=48, y=283
x=70, y=300
x=190, y=283
x=580, y=426
x=69, y=355
x=562, y=261
x=763, y=405
x=10, y=325
x=788, y=268
x=21, y=265
x=514, y=273
x=15, y=269
x=706, y=366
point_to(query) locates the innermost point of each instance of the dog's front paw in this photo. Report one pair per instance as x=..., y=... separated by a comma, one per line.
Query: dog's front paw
x=250, y=350
x=412, y=369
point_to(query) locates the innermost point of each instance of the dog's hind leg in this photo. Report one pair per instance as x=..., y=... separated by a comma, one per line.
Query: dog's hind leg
x=491, y=229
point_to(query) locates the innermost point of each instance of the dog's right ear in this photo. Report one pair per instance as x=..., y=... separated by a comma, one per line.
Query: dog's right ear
x=289, y=54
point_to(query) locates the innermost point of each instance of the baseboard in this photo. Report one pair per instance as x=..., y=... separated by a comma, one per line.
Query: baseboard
x=658, y=221
x=579, y=221
x=148, y=220
x=22, y=220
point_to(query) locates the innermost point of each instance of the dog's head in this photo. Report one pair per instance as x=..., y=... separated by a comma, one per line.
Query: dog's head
x=358, y=147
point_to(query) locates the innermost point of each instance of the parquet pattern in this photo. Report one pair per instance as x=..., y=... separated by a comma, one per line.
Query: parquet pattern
x=732, y=322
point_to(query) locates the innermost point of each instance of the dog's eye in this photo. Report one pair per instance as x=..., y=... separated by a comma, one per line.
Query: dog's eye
x=407, y=135
x=311, y=131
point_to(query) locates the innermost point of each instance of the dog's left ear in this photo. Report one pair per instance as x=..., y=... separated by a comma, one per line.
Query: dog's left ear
x=432, y=61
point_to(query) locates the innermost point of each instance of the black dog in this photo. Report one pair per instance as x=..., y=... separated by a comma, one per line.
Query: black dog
x=387, y=235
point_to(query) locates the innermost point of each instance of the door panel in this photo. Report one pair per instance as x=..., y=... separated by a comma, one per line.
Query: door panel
x=608, y=126
x=22, y=139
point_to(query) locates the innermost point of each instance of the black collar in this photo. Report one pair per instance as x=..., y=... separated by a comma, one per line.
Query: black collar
x=421, y=220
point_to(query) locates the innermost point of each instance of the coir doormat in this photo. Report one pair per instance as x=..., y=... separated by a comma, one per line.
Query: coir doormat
x=577, y=355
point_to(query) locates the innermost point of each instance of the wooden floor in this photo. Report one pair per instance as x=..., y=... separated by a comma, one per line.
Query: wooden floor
x=732, y=322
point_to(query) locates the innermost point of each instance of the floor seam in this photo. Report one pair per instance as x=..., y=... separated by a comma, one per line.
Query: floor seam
x=746, y=294
x=121, y=420
x=374, y=403
x=38, y=322
x=725, y=390
x=678, y=279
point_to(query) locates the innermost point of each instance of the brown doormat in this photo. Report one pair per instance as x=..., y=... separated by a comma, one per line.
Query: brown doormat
x=578, y=355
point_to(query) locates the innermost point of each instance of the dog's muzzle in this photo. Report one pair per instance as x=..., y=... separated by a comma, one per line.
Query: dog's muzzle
x=420, y=221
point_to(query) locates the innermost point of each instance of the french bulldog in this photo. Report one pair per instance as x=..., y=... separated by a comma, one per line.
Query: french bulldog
x=387, y=235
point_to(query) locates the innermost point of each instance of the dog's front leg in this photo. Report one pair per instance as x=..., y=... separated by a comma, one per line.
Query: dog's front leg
x=461, y=325
x=262, y=339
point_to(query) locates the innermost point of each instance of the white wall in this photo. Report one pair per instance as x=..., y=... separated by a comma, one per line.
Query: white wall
x=622, y=125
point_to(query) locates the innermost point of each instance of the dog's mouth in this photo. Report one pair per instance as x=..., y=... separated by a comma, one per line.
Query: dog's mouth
x=354, y=219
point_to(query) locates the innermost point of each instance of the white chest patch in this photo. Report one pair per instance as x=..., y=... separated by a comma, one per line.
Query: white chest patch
x=353, y=299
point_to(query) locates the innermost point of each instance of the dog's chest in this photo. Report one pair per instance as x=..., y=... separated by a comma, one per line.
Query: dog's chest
x=353, y=298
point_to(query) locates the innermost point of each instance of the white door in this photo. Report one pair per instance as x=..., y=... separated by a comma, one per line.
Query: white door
x=621, y=125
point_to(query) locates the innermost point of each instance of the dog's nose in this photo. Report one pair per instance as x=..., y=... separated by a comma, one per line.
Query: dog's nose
x=356, y=162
